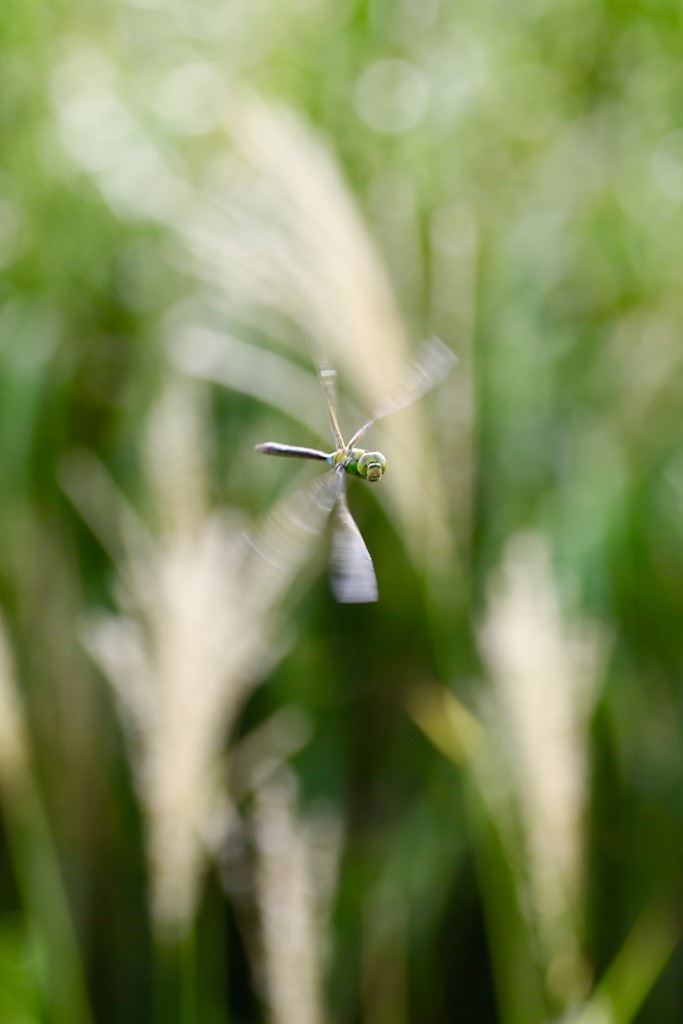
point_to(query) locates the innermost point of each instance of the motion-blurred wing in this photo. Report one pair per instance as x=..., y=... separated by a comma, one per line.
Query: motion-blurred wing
x=283, y=539
x=431, y=363
x=352, y=576
x=328, y=379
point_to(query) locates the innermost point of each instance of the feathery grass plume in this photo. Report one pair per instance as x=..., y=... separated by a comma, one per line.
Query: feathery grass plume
x=301, y=246
x=195, y=633
x=544, y=675
x=277, y=236
x=296, y=867
x=259, y=781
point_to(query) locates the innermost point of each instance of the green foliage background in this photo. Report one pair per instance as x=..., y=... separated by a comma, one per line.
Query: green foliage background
x=519, y=171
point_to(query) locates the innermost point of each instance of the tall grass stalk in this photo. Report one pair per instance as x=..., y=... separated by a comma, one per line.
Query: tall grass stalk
x=51, y=945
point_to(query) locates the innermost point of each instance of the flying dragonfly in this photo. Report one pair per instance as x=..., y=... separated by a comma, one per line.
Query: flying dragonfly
x=353, y=577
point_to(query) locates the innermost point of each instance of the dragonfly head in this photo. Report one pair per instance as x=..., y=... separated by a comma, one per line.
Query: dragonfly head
x=372, y=466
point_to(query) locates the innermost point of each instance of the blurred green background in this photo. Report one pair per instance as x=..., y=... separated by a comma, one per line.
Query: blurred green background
x=225, y=798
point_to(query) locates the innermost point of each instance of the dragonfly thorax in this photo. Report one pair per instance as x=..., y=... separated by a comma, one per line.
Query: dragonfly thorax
x=356, y=461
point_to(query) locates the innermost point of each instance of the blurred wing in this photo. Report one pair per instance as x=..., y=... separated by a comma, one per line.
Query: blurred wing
x=282, y=541
x=431, y=363
x=328, y=379
x=353, y=577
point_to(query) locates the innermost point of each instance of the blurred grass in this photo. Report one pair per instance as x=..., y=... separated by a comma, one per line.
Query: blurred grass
x=188, y=194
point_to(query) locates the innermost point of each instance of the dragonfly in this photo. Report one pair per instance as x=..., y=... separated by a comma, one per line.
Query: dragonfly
x=352, y=576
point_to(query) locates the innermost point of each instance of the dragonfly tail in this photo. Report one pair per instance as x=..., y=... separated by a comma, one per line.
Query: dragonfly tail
x=291, y=451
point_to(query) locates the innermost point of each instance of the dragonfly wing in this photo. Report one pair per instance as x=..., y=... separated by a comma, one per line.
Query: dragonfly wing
x=431, y=363
x=282, y=541
x=353, y=577
x=328, y=379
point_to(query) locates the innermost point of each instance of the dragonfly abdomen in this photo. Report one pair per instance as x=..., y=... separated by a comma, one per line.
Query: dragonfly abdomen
x=291, y=451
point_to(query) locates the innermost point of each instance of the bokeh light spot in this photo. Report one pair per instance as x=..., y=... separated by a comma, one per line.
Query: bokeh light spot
x=391, y=96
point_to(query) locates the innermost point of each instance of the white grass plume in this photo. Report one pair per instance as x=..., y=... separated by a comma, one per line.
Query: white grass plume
x=274, y=237
x=544, y=676
x=195, y=632
x=302, y=246
x=296, y=872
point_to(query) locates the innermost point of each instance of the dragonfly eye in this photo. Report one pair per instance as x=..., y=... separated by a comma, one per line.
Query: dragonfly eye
x=372, y=465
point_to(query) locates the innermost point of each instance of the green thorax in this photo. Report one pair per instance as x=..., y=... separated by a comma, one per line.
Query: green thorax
x=351, y=461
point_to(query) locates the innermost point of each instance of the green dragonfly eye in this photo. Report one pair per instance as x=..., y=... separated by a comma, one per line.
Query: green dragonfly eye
x=372, y=465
